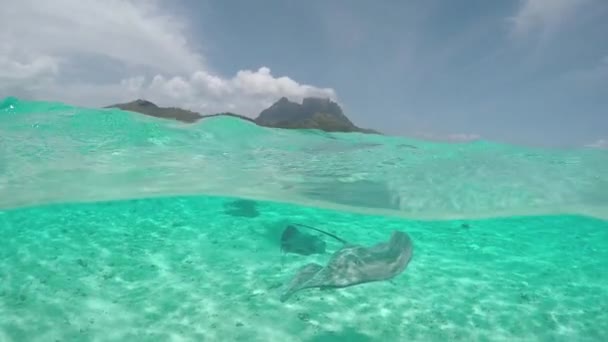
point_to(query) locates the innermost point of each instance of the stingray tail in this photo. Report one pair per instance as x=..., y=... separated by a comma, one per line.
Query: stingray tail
x=322, y=231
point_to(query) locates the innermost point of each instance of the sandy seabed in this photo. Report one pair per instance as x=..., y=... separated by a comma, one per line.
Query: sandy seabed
x=210, y=269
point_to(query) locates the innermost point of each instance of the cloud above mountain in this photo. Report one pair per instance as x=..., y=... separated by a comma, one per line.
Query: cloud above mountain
x=93, y=53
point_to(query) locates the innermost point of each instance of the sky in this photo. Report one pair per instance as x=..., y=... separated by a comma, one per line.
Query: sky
x=531, y=72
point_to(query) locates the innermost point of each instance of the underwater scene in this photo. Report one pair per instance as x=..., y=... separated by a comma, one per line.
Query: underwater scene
x=120, y=227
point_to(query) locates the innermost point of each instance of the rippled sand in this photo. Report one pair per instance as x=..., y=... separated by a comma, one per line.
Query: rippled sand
x=209, y=269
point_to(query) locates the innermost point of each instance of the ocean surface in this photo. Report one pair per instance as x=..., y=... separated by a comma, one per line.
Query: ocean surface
x=115, y=226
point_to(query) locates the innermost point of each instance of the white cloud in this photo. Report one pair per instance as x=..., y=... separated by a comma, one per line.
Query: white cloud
x=27, y=68
x=600, y=143
x=157, y=62
x=134, y=32
x=543, y=15
x=247, y=93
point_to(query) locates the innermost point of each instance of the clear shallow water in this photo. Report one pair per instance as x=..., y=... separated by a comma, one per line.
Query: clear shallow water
x=55, y=153
x=82, y=260
x=197, y=269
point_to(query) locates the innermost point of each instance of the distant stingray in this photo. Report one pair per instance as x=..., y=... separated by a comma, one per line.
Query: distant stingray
x=242, y=208
x=353, y=265
x=295, y=241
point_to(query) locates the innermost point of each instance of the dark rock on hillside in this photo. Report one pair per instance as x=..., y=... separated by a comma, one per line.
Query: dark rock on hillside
x=313, y=113
x=280, y=111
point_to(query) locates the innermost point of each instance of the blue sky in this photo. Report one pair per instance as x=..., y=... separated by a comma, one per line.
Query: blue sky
x=525, y=72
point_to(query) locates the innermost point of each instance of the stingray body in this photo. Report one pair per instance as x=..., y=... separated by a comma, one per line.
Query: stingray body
x=295, y=241
x=354, y=264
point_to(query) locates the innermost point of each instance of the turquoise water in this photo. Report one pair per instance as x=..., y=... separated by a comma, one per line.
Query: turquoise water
x=121, y=227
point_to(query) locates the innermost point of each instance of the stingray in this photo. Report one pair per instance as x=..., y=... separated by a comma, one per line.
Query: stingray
x=295, y=241
x=242, y=208
x=355, y=264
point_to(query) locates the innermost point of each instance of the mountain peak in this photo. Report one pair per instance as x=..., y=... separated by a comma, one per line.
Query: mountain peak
x=144, y=103
x=314, y=112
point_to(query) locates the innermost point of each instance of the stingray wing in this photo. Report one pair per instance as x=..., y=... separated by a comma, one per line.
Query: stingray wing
x=301, y=280
x=354, y=265
x=386, y=260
